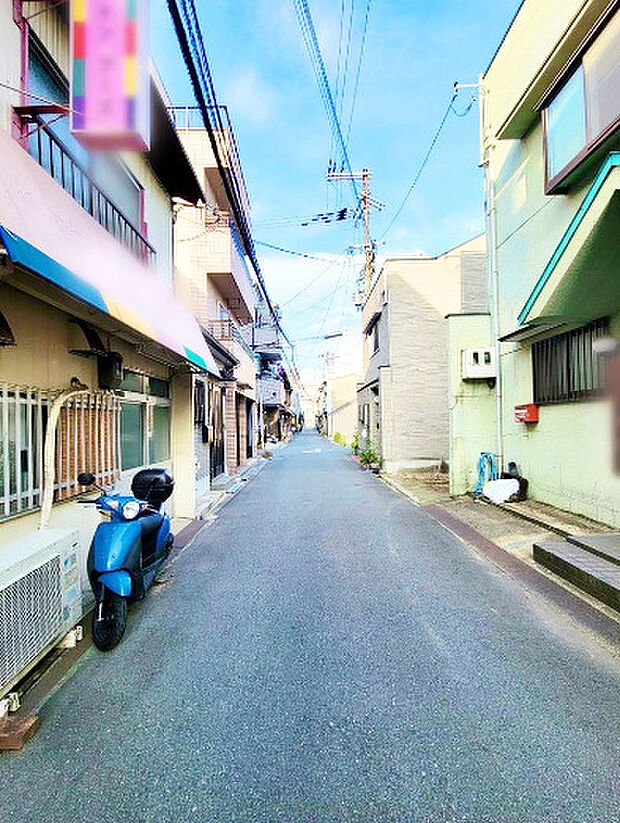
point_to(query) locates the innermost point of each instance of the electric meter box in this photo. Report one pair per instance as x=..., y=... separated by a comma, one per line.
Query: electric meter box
x=478, y=364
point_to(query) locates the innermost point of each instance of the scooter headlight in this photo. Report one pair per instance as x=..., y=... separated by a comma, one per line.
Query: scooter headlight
x=131, y=509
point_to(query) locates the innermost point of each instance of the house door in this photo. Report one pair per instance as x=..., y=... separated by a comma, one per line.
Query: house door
x=250, y=428
x=216, y=416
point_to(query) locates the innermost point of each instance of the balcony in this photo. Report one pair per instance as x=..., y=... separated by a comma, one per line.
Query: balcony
x=227, y=333
x=50, y=153
x=221, y=256
x=266, y=341
x=271, y=390
x=189, y=123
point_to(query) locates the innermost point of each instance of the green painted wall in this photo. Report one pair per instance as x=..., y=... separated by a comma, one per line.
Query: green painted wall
x=471, y=403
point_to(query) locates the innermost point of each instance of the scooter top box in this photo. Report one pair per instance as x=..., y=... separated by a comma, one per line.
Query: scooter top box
x=152, y=485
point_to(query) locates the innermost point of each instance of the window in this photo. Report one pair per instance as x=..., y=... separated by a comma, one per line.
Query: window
x=375, y=338
x=85, y=441
x=132, y=435
x=145, y=420
x=587, y=108
x=199, y=403
x=159, y=442
x=566, y=125
x=565, y=368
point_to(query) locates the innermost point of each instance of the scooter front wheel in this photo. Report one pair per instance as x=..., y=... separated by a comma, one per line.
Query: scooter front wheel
x=109, y=620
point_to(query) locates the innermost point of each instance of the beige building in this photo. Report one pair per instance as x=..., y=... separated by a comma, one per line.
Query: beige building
x=337, y=401
x=551, y=111
x=403, y=399
x=214, y=279
x=90, y=327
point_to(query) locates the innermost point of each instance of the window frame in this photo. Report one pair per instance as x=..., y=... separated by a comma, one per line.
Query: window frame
x=557, y=183
x=147, y=402
x=553, y=381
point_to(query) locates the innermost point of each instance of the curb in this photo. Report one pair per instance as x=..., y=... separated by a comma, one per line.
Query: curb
x=569, y=600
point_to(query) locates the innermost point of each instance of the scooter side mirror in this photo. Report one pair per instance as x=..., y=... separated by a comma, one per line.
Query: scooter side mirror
x=86, y=479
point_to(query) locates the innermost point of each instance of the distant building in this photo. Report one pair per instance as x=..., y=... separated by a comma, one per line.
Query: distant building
x=214, y=279
x=403, y=398
x=337, y=406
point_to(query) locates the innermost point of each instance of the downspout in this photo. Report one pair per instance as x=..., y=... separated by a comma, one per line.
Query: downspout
x=487, y=145
x=49, y=452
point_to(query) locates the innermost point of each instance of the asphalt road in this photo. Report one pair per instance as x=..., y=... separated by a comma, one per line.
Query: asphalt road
x=326, y=652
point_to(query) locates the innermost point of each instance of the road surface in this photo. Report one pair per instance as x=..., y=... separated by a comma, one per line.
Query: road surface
x=326, y=652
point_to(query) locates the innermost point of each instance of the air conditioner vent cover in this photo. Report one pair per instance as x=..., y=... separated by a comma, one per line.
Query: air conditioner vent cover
x=31, y=612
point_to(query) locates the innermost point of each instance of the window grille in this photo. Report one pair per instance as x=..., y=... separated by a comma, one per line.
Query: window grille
x=86, y=440
x=566, y=368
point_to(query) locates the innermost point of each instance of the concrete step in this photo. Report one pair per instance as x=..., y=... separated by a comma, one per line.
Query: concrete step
x=587, y=571
x=606, y=546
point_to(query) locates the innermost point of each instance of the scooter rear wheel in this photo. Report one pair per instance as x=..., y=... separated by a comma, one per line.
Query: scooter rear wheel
x=109, y=620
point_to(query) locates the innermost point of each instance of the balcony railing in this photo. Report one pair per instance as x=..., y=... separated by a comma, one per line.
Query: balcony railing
x=50, y=153
x=225, y=331
x=271, y=390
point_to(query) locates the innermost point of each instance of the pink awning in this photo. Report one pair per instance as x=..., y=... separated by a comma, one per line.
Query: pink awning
x=46, y=231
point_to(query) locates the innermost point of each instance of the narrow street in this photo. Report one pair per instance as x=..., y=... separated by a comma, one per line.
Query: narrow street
x=326, y=652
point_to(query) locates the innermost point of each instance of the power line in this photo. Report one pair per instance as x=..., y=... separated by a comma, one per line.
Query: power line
x=423, y=163
x=312, y=45
x=328, y=296
x=311, y=283
x=359, y=68
x=289, y=251
x=345, y=66
x=191, y=42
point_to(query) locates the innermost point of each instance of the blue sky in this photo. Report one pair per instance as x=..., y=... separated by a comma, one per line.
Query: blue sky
x=415, y=51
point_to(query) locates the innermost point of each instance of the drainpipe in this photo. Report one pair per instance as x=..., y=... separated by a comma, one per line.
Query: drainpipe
x=486, y=149
x=49, y=449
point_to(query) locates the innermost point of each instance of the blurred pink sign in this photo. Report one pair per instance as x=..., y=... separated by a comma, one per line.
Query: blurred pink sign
x=109, y=73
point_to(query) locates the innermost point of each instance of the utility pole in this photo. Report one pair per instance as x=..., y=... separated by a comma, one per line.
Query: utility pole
x=366, y=201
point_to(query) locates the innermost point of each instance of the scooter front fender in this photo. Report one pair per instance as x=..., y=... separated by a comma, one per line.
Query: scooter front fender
x=118, y=582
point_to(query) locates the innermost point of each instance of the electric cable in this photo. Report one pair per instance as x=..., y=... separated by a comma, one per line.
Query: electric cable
x=191, y=42
x=311, y=283
x=312, y=45
x=358, y=69
x=422, y=164
x=289, y=251
x=345, y=65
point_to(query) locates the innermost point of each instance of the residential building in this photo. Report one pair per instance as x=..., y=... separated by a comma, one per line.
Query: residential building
x=551, y=141
x=277, y=381
x=213, y=277
x=403, y=397
x=337, y=401
x=89, y=321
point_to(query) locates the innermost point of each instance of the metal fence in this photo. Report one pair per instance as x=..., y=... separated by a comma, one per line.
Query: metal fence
x=50, y=153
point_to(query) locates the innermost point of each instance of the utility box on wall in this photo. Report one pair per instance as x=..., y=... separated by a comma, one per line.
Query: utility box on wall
x=478, y=364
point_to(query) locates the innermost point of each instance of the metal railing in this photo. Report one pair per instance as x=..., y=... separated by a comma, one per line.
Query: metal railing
x=50, y=153
x=226, y=331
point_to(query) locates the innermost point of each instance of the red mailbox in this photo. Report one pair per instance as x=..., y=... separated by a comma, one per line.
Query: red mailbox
x=526, y=413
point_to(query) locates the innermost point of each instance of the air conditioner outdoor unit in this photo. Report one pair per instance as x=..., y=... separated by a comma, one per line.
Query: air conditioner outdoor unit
x=40, y=599
x=478, y=364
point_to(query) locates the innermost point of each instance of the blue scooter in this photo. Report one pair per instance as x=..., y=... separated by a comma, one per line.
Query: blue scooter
x=127, y=549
